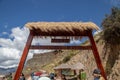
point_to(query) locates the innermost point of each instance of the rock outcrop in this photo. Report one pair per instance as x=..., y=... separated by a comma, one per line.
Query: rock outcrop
x=115, y=74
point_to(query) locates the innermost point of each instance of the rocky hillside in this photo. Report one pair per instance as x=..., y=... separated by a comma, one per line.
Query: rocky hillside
x=48, y=61
x=42, y=60
x=87, y=59
x=115, y=74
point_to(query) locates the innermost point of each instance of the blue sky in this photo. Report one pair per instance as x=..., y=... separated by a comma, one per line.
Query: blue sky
x=14, y=14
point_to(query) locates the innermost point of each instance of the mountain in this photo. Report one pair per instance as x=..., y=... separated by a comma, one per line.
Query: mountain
x=7, y=70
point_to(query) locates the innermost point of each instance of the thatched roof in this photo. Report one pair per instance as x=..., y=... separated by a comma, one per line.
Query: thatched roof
x=61, y=28
x=63, y=66
x=76, y=66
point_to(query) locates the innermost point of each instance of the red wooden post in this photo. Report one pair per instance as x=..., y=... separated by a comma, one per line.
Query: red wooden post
x=61, y=75
x=60, y=47
x=23, y=58
x=96, y=55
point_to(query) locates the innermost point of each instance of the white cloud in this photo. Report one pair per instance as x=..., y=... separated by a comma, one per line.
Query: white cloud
x=97, y=32
x=6, y=42
x=75, y=42
x=20, y=37
x=4, y=33
x=8, y=56
x=12, y=48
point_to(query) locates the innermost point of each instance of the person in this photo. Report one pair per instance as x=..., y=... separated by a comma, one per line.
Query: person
x=64, y=78
x=97, y=75
x=4, y=78
x=22, y=77
x=52, y=75
x=44, y=78
x=32, y=75
x=82, y=75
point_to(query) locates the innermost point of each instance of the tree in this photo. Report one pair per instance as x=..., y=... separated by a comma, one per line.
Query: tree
x=111, y=36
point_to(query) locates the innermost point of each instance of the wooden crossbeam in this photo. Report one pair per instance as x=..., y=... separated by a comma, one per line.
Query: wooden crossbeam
x=61, y=47
x=60, y=40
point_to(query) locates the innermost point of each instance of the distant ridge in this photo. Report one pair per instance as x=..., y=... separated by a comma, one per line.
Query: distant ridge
x=7, y=70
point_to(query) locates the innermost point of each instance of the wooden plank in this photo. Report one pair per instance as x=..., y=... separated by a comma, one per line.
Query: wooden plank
x=61, y=47
x=60, y=40
x=78, y=33
x=23, y=58
x=96, y=56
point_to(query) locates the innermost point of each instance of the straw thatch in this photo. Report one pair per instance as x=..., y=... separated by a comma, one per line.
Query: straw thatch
x=63, y=66
x=61, y=28
x=77, y=66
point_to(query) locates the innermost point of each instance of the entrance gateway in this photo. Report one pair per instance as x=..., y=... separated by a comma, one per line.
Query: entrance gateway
x=65, y=30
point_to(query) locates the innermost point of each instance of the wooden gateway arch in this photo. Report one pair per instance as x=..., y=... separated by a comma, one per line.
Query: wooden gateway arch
x=65, y=30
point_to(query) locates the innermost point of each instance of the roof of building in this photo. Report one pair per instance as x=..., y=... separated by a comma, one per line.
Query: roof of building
x=76, y=66
x=61, y=28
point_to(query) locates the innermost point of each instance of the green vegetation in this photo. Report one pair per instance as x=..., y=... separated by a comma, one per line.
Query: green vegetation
x=63, y=59
x=111, y=27
x=68, y=57
x=9, y=77
x=111, y=37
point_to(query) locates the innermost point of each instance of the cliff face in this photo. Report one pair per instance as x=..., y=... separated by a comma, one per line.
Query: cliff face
x=115, y=74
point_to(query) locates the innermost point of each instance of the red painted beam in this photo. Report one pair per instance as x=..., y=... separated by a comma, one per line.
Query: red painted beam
x=60, y=40
x=96, y=55
x=38, y=32
x=23, y=58
x=61, y=47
